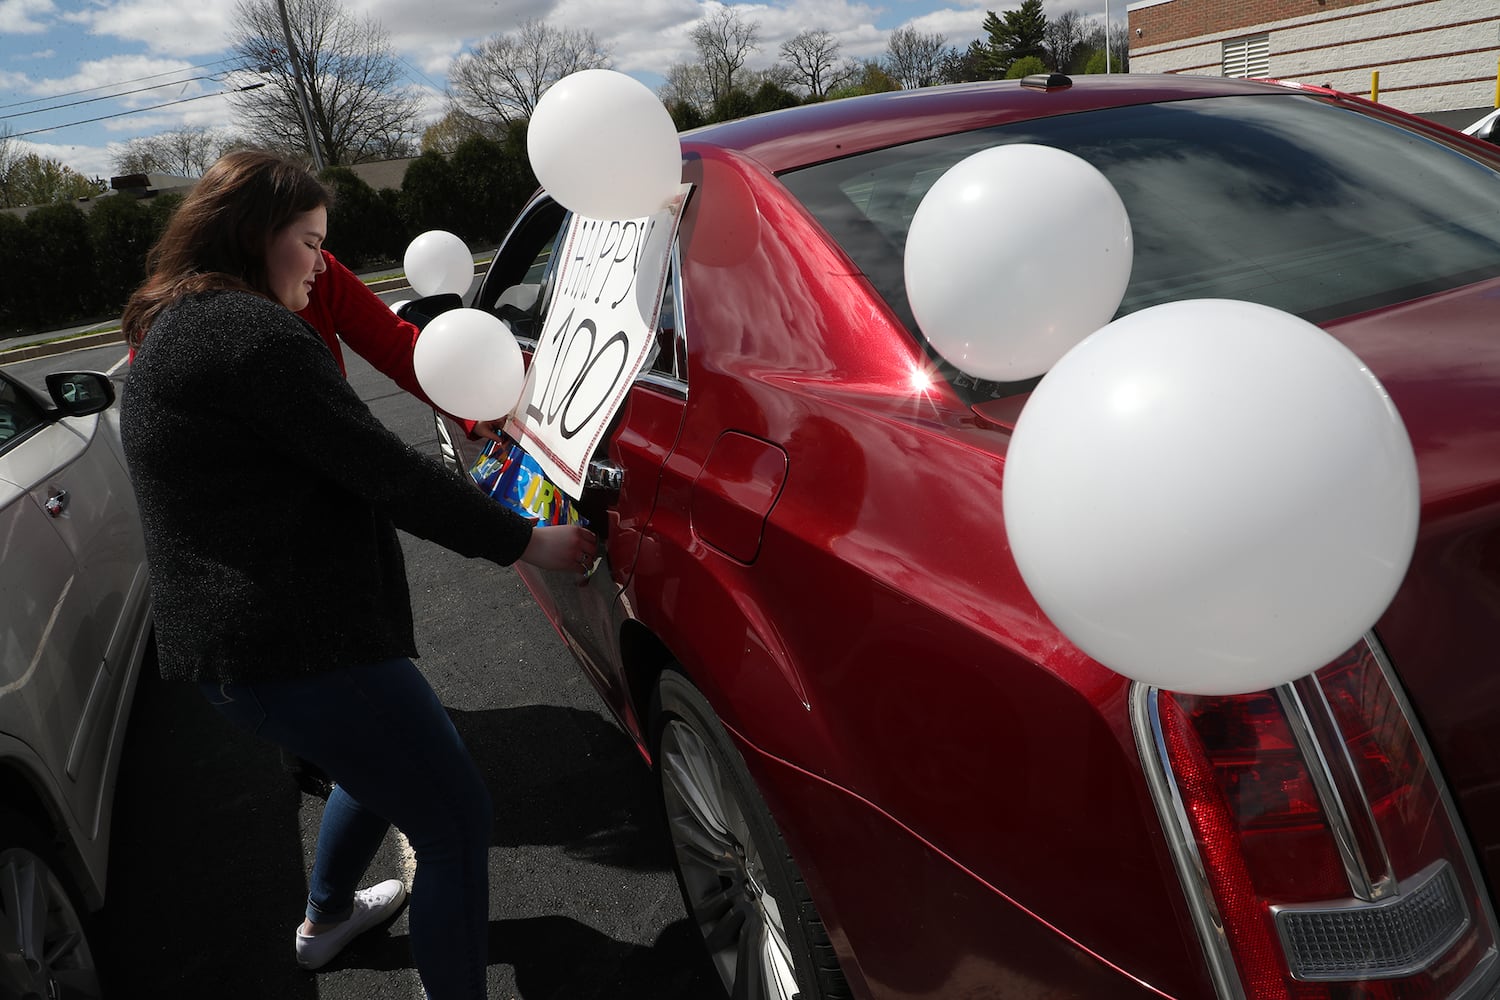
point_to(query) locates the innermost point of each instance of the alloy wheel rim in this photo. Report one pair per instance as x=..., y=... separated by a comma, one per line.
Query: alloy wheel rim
x=723, y=870
x=447, y=450
x=44, y=953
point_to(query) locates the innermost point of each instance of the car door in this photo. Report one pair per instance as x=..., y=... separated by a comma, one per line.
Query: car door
x=53, y=677
x=626, y=468
x=99, y=522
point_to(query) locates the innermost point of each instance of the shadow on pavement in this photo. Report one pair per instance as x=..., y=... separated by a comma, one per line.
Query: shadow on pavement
x=559, y=958
x=207, y=871
x=545, y=953
x=570, y=778
x=205, y=857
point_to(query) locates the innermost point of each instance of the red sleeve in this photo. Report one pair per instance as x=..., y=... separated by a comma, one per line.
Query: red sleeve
x=342, y=307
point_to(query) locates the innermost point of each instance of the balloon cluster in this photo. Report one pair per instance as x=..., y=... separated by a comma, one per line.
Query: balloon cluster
x=466, y=360
x=603, y=146
x=1210, y=496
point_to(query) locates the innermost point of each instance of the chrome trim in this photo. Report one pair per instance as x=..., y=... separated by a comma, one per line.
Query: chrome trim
x=679, y=341
x=664, y=383
x=1351, y=821
x=604, y=475
x=1145, y=721
x=1461, y=833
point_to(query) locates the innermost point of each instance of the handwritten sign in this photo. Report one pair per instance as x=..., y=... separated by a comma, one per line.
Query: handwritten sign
x=599, y=331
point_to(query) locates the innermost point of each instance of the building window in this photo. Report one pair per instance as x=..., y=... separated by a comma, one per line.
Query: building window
x=1248, y=57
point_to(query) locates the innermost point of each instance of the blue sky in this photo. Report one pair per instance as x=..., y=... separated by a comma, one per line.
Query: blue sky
x=83, y=53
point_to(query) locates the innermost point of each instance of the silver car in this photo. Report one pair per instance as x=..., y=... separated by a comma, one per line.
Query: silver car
x=75, y=625
x=1487, y=128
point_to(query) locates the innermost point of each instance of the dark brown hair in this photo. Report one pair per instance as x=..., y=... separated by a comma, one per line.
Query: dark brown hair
x=219, y=235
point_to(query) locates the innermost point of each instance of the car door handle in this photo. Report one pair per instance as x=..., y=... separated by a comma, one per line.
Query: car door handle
x=57, y=503
x=604, y=475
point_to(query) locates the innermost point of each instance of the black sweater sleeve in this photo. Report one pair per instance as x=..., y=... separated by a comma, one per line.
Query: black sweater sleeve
x=310, y=410
x=239, y=374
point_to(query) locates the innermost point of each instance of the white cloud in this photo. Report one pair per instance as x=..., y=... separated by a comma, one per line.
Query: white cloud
x=137, y=72
x=172, y=27
x=27, y=17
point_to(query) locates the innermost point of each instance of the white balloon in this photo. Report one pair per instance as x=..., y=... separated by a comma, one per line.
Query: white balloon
x=1210, y=496
x=437, y=263
x=1014, y=255
x=399, y=304
x=469, y=364
x=603, y=145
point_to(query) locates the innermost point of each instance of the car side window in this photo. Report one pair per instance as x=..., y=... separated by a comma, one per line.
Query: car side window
x=19, y=413
x=669, y=359
x=516, y=286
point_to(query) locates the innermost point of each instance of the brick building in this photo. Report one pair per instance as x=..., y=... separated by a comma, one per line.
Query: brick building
x=1432, y=56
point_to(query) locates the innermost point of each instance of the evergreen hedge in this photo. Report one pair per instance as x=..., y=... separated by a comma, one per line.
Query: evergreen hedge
x=65, y=265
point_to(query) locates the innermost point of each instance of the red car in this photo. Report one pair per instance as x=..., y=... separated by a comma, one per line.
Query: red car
x=885, y=773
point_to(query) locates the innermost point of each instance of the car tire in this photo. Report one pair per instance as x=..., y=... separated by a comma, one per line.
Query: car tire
x=447, y=450
x=44, y=928
x=740, y=884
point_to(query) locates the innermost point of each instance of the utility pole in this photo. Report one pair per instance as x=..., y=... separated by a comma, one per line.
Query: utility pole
x=307, y=119
x=1106, y=36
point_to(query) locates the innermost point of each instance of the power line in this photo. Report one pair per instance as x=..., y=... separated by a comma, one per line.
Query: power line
x=137, y=111
x=118, y=83
x=106, y=97
x=424, y=76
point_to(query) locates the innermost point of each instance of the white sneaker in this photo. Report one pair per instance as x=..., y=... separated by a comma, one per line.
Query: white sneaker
x=371, y=906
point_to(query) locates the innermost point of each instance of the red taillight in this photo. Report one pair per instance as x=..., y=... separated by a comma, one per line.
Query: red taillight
x=1322, y=841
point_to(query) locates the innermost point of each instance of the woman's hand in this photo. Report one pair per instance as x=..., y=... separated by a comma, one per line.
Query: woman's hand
x=562, y=547
x=489, y=429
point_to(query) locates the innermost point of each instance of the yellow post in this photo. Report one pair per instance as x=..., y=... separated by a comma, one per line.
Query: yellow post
x=1375, y=85
x=1497, y=85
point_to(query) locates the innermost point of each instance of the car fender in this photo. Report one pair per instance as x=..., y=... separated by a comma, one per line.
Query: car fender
x=27, y=787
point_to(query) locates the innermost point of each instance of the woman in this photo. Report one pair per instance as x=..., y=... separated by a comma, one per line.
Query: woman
x=270, y=498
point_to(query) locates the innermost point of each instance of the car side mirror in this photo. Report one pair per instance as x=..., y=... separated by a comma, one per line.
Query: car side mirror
x=78, y=394
x=420, y=312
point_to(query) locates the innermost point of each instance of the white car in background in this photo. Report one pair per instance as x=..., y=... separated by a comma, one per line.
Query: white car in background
x=75, y=626
x=1485, y=128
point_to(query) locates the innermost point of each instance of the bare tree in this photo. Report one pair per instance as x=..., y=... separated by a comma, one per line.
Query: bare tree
x=914, y=59
x=360, y=109
x=813, y=57
x=778, y=75
x=724, y=41
x=184, y=152
x=1064, y=35
x=1119, y=47
x=504, y=77
x=688, y=84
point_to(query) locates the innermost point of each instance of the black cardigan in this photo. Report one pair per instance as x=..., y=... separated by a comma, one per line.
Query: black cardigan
x=270, y=494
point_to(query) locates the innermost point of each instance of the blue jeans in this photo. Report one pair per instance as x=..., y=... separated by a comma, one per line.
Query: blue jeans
x=380, y=732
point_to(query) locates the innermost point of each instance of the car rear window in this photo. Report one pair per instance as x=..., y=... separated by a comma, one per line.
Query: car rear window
x=1289, y=201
